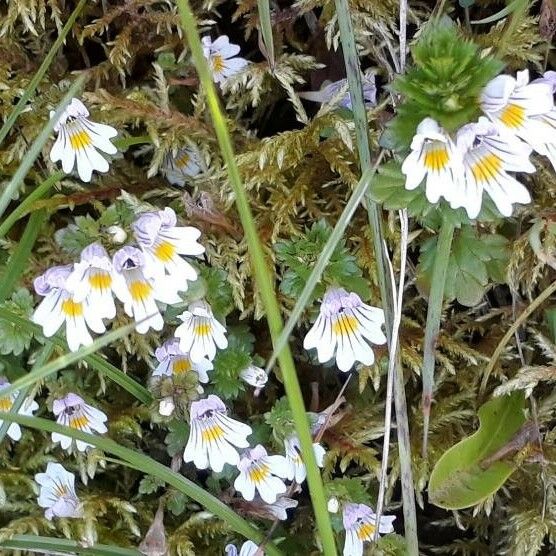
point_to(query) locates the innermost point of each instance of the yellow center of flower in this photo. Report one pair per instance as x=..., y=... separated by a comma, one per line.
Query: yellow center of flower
x=139, y=290
x=259, y=473
x=80, y=139
x=365, y=531
x=202, y=329
x=100, y=280
x=345, y=325
x=78, y=422
x=5, y=404
x=436, y=158
x=218, y=63
x=513, y=116
x=486, y=168
x=212, y=433
x=183, y=160
x=165, y=251
x=72, y=309
x=60, y=490
x=181, y=365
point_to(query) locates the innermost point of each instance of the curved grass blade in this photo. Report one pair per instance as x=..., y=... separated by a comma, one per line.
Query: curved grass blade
x=152, y=467
x=511, y=7
x=95, y=361
x=266, y=30
x=37, y=78
x=35, y=149
x=52, y=545
x=265, y=283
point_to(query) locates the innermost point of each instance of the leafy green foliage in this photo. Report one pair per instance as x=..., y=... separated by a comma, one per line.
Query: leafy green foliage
x=444, y=82
x=476, y=260
x=298, y=256
x=14, y=339
x=150, y=484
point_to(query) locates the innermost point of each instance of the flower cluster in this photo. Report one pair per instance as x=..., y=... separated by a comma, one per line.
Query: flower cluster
x=519, y=117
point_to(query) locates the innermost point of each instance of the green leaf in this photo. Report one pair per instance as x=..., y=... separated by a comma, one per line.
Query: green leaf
x=13, y=338
x=176, y=439
x=150, y=484
x=458, y=480
x=218, y=290
x=475, y=261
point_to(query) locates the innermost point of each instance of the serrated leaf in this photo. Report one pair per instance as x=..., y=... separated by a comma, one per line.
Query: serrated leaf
x=150, y=484
x=176, y=439
x=458, y=479
x=15, y=339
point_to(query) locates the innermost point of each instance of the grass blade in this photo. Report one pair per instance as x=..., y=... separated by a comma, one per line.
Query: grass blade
x=20, y=257
x=37, y=78
x=95, y=361
x=316, y=273
x=152, y=467
x=35, y=149
x=266, y=30
x=264, y=282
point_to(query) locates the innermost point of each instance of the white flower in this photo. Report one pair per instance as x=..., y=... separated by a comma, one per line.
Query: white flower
x=278, y=509
x=548, y=119
x=487, y=158
x=138, y=292
x=60, y=306
x=28, y=407
x=333, y=505
x=173, y=361
x=330, y=91
x=92, y=280
x=57, y=492
x=221, y=55
x=360, y=526
x=248, y=548
x=345, y=325
x=200, y=332
x=79, y=138
x=185, y=164
x=162, y=243
x=296, y=467
x=213, y=435
x=434, y=156
x=254, y=376
x=73, y=412
x=514, y=105
x=166, y=407
x=259, y=471
x=117, y=234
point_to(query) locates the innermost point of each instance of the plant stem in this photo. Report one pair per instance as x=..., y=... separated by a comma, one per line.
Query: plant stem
x=265, y=283
x=37, y=78
x=434, y=312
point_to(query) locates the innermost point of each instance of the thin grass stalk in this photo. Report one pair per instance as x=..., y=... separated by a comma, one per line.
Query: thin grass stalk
x=353, y=70
x=266, y=30
x=52, y=545
x=316, y=272
x=42, y=358
x=96, y=361
x=149, y=466
x=26, y=205
x=434, y=313
x=20, y=257
x=35, y=149
x=264, y=282
x=40, y=73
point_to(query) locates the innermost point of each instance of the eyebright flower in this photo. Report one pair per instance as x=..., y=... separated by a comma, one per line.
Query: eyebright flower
x=296, y=467
x=487, y=158
x=248, y=548
x=221, y=55
x=92, y=280
x=73, y=412
x=185, y=164
x=330, y=91
x=434, y=156
x=162, y=243
x=213, y=435
x=173, y=361
x=60, y=306
x=278, y=509
x=6, y=402
x=139, y=293
x=514, y=105
x=360, y=526
x=57, y=492
x=345, y=325
x=79, y=138
x=548, y=119
x=200, y=332
x=259, y=471
x=166, y=407
x=254, y=376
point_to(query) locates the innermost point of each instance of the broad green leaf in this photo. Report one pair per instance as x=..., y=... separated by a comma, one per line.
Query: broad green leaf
x=458, y=480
